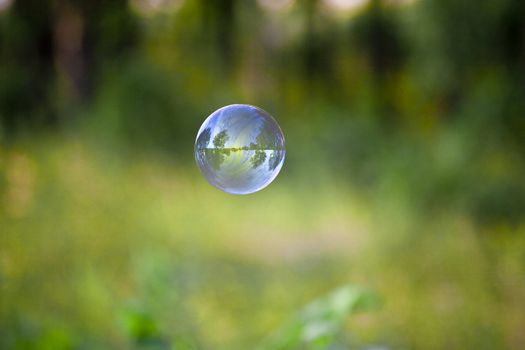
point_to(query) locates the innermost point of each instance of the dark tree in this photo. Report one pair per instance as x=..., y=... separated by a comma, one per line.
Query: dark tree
x=53, y=53
x=220, y=139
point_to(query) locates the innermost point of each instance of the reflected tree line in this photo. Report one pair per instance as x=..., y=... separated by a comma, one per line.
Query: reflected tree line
x=216, y=155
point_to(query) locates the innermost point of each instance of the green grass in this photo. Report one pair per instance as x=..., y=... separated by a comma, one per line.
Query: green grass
x=101, y=250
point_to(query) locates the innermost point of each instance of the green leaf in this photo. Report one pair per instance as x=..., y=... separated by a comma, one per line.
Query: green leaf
x=318, y=323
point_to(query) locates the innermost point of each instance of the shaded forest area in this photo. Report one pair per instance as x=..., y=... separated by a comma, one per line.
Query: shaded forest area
x=146, y=73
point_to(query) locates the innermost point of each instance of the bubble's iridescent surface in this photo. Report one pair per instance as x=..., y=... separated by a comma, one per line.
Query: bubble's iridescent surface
x=240, y=149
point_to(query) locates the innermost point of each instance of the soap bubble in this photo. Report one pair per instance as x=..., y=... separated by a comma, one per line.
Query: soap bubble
x=240, y=149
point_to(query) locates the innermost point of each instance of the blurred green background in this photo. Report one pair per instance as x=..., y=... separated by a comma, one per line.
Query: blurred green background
x=398, y=219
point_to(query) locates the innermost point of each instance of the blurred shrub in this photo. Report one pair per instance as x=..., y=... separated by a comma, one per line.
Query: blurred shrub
x=320, y=324
x=141, y=107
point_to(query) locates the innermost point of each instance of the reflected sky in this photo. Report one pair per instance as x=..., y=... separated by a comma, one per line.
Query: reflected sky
x=240, y=149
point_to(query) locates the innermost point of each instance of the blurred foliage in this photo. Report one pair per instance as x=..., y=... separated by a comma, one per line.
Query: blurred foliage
x=405, y=129
x=317, y=325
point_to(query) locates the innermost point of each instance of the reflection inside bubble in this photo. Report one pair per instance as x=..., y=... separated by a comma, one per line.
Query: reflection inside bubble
x=240, y=149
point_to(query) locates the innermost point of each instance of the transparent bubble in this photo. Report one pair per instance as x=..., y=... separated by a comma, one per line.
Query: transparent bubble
x=240, y=149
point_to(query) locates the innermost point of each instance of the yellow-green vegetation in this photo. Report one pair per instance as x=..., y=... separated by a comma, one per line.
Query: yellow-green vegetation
x=101, y=250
